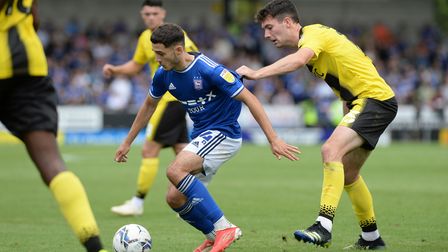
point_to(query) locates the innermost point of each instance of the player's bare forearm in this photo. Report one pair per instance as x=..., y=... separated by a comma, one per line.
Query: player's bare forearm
x=278, y=146
x=129, y=68
x=284, y=65
x=141, y=119
x=257, y=111
x=287, y=64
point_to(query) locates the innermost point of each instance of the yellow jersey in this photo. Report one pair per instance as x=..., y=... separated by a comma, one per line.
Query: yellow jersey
x=144, y=54
x=21, y=51
x=343, y=65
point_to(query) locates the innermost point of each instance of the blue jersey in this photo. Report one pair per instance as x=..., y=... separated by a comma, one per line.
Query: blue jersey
x=206, y=89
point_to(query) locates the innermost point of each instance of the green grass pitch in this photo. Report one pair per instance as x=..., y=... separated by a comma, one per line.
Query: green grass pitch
x=267, y=198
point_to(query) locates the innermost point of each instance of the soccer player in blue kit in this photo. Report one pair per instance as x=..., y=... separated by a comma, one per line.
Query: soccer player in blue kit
x=212, y=96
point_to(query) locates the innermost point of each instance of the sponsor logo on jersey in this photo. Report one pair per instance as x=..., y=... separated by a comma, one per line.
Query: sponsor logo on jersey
x=171, y=86
x=227, y=76
x=201, y=100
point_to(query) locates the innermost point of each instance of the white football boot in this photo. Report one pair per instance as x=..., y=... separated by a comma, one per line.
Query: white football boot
x=129, y=208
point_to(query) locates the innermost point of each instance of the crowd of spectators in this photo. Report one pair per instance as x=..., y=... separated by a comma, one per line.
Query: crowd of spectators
x=415, y=65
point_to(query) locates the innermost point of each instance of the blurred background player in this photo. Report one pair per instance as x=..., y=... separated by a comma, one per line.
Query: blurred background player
x=168, y=126
x=28, y=110
x=370, y=106
x=212, y=96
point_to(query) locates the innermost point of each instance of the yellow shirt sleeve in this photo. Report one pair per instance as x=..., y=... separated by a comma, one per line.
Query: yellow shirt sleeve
x=309, y=40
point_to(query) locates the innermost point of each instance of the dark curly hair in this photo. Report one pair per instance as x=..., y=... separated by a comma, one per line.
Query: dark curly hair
x=168, y=35
x=278, y=9
x=152, y=3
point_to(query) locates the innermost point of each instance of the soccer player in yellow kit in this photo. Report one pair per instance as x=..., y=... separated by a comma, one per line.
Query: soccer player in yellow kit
x=168, y=127
x=369, y=107
x=28, y=110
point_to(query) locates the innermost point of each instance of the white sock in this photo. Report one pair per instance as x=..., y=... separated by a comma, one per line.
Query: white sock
x=211, y=236
x=326, y=223
x=136, y=201
x=222, y=223
x=370, y=236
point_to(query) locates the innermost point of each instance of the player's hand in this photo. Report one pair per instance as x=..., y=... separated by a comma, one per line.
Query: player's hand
x=246, y=72
x=108, y=70
x=280, y=148
x=121, y=153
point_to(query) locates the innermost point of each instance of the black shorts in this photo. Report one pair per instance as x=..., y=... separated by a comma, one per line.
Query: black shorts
x=172, y=127
x=370, y=118
x=28, y=103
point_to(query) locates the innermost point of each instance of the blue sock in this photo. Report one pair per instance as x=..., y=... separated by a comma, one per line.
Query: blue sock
x=194, y=217
x=200, y=198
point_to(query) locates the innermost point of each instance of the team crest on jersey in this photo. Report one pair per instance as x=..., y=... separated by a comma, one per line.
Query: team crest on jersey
x=197, y=83
x=227, y=76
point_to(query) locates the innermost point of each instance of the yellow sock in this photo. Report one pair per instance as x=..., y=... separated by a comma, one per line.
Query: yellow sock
x=72, y=199
x=147, y=175
x=362, y=204
x=332, y=187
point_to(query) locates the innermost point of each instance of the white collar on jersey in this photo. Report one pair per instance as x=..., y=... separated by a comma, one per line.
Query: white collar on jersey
x=196, y=57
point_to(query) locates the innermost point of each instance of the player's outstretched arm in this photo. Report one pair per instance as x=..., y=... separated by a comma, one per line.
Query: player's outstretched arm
x=278, y=146
x=129, y=68
x=141, y=119
x=284, y=65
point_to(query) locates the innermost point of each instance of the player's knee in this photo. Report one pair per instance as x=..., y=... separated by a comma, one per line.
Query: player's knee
x=173, y=199
x=332, y=152
x=150, y=150
x=328, y=152
x=173, y=174
x=144, y=152
x=170, y=200
x=169, y=173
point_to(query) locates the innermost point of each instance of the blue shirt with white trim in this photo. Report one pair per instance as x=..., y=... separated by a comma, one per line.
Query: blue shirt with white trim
x=206, y=89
